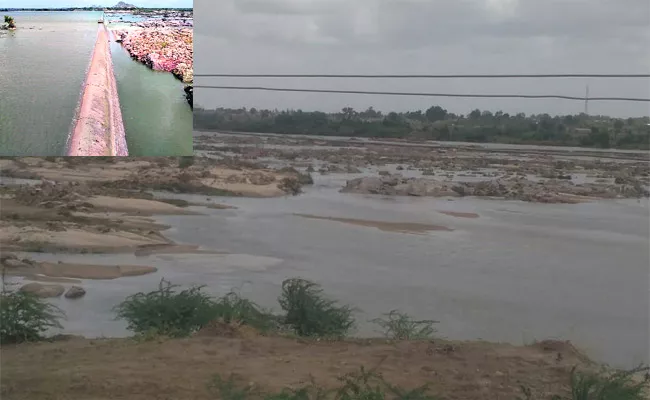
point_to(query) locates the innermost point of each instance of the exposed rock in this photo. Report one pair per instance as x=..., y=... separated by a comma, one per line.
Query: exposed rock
x=552, y=191
x=7, y=256
x=15, y=263
x=75, y=292
x=169, y=49
x=189, y=95
x=259, y=178
x=42, y=290
x=290, y=185
x=339, y=169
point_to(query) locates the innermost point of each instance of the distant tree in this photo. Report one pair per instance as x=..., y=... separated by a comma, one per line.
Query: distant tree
x=618, y=127
x=478, y=126
x=476, y=114
x=370, y=113
x=392, y=119
x=599, y=138
x=436, y=113
x=348, y=113
x=415, y=116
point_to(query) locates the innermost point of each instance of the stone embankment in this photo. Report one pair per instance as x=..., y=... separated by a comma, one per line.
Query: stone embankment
x=169, y=50
x=163, y=45
x=98, y=129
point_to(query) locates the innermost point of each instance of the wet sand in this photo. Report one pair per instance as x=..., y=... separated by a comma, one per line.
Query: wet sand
x=69, y=272
x=460, y=214
x=403, y=227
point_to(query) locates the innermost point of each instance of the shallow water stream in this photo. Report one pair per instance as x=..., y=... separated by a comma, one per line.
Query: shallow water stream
x=519, y=272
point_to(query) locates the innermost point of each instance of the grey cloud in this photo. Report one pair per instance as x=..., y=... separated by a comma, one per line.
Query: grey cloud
x=425, y=36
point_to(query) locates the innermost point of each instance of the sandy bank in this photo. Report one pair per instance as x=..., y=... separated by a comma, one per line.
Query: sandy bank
x=401, y=227
x=459, y=214
x=139, y=206
x=99, y=130
x=204, y=176
x=69, y=239
x=68, y=272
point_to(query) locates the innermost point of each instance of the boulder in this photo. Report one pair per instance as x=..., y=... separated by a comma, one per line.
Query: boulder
x=7, y=256
x=15, y=263
x=189, y=95
x=75, y=292
x=41, y=290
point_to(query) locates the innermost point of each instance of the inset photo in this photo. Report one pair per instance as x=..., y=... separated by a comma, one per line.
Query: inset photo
x=96, y=79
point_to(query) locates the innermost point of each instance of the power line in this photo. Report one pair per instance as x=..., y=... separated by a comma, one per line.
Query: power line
x=491, y=76
x=513, y=96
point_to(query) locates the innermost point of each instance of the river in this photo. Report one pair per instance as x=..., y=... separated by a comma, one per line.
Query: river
x=518, y=273
x=42, y=69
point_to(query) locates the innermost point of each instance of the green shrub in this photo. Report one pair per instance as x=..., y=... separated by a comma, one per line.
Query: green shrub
x=167, y=312
x=25, y=317
x=617, y=386
x=185, y=162
x=400, y=326
x=620, y=385
x=309, y=313
x=234, y=308
x=362, y=385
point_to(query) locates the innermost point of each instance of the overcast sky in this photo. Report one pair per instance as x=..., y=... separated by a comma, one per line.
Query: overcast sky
x=425, y=37
x=87, y=3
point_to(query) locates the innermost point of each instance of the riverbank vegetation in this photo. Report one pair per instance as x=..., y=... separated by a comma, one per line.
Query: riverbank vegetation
x=10, y=23
x=24, y=317
x=436, y=123
x=162, y=317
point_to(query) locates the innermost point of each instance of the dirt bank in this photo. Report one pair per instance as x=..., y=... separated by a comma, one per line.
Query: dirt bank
x=182, y=369
x=98, y=129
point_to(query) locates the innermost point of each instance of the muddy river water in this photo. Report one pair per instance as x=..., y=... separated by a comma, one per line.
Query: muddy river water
x=519, y=272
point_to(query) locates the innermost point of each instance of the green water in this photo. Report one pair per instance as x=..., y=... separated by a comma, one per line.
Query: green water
x=43, y=65
x=157, y=118
x=42, y=68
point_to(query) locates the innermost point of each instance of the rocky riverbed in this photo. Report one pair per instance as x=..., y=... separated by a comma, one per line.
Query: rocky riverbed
x=453, y=170
x=95, y=205
x=163, y=49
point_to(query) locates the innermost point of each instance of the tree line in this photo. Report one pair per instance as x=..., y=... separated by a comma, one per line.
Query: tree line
x=436, y=123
